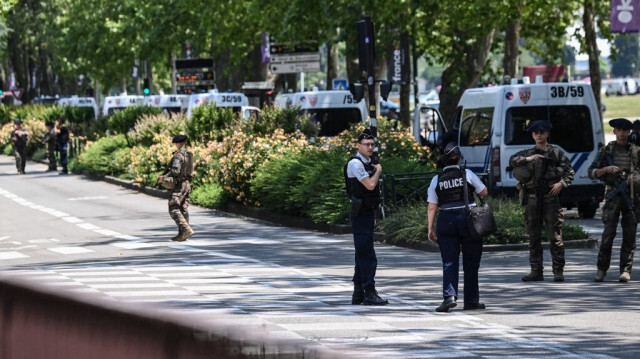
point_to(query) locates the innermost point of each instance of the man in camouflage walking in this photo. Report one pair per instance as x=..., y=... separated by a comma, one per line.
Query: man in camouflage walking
x=50, y=141
x=178, y=175
x=19, y=137
x=543, y=171
x=616, y=165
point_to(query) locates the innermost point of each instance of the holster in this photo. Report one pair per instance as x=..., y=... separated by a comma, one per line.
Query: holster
x=523, y=196
x=356, y=205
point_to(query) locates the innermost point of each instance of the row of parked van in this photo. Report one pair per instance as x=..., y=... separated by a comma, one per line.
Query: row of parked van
x=620, y=87
x=170, y=103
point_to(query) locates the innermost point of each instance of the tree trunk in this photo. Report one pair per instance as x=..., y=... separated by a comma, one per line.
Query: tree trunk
x=464, y=71
x=123, y=85
x=332, y=64
x=588, y=19
x=174, y=86
x=149, y=75
x=511, y=49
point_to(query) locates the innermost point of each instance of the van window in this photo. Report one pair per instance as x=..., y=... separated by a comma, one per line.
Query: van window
x=332, y=121
x=572, y=129
x=476, y=126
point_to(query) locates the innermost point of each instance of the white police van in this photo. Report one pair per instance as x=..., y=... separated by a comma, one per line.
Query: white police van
x=116, y=103
x=492, y=122
x=82, y=102
x=235, y=100
x=169, y=103
x=334, y=111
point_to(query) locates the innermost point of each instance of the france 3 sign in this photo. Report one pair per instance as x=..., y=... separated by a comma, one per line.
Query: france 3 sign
x=625, y=16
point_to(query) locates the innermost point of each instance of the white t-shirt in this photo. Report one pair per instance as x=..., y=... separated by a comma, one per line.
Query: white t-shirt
x=356, y=169
x=472, y=179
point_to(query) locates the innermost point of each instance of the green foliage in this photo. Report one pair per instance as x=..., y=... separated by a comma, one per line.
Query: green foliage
x=98, y=157
x=210, y=123
x=124, y=120
x=5, y=114
x=149, y=126
x=287, y=119
x=39, y=154
x=407, y=224
x=209, y=195
x=8, y=150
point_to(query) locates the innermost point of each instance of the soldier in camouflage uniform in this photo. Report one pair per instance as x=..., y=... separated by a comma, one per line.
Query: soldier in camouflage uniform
x=543, y=171
x=180, y=170
x=19, y=137
x=50, y=140
x=616, y=161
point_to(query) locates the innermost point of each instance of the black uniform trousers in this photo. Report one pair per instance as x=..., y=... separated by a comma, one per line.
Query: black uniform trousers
x=365, y=259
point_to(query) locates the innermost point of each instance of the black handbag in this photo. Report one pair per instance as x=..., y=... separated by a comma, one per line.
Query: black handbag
x=480, y=220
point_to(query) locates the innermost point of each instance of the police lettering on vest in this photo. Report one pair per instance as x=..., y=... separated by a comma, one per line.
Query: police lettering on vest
x=450, y=187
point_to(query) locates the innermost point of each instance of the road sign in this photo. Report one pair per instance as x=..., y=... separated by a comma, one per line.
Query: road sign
x=294, y=67
x=340, y=84
x=17, y=93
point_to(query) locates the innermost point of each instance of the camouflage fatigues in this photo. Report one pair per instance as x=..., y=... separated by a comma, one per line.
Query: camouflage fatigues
x=180, y=197
x=626, y=158
x=50, y=140
x=20, y=149
x=558, y=169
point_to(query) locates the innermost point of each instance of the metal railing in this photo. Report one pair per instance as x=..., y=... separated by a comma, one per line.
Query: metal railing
x=398, y=189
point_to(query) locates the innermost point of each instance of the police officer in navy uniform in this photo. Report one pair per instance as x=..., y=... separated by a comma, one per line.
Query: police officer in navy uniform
x=446, y=192
x=362, y=178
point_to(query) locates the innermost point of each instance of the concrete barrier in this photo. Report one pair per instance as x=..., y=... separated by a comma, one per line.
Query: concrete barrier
x=38, y=321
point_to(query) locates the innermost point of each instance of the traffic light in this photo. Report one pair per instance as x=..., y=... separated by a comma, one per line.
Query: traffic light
x=357, y=91
x=385, y=88
x=145, y=88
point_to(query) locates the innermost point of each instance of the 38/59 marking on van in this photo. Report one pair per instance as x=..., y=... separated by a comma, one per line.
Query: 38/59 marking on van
x=568, y=91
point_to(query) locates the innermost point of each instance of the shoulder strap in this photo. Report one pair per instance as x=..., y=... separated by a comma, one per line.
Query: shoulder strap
x=466, y=189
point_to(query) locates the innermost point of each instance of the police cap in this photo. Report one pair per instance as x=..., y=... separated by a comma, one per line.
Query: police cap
x=451, y=150
x=17, y=121
x=522, y=174
x=365, y=135
x=540, y=125
x=621, y=123
x=179, y=139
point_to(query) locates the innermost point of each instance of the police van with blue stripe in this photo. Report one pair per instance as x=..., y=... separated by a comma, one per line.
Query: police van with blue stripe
x=492, y=122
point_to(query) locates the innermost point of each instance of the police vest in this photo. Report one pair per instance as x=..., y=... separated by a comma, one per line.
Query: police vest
x=370, y=199
x=450, y=187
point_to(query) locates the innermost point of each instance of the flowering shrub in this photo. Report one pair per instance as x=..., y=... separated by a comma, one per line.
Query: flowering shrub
x=150, y=125
x=145, y=164
x=124, y=120
x=98, y=156
x=210, y=123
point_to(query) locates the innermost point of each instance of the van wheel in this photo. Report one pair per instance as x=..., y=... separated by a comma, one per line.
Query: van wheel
x=587, y=210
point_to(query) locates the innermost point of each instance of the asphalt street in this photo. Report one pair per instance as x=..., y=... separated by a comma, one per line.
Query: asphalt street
x=89, y=236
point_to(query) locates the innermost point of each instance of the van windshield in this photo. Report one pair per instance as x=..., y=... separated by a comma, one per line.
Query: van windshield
x=572, y=129
x=332, y=121
x=476, y=126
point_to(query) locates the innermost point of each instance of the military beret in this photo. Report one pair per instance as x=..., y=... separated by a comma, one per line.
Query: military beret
x=451, y=150
x=365, y=135
x=540, y=125
x=621, y=123
x=179, y=139
x=49, y=123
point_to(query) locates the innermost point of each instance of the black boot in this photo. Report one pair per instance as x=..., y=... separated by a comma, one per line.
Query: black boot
x=533, y=276
x=447, y=303
x=371, y=297
x=358, y=294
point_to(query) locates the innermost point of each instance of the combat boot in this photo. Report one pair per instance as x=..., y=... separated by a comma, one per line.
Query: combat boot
x=371, y=297
x=358, y=294
x=188, y=232
x=558, y=276
x=624, y=277
x=533, y=276
x=176, y=238
x=600, y=274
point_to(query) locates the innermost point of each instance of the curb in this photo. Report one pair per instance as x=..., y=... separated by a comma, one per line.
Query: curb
x=300, y=222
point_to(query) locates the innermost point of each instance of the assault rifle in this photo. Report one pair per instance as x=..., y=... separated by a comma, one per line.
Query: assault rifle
x=621, y=187
x=542, y=188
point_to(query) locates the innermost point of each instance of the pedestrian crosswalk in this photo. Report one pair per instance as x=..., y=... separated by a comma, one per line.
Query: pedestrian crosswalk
x=290, y=303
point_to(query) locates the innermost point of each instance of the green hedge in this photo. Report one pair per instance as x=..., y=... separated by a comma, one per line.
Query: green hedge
x=409, y=224
x=98, y=157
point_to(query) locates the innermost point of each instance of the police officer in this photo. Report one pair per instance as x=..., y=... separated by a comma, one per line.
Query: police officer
x=446, y=192
x=543, y=172
x=180, y=170
x=50, y=140
x=362, y=177
x=62, y=139
x=19, y=137
x=617, y=161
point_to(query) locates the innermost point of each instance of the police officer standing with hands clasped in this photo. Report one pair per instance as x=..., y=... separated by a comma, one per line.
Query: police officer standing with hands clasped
x=543, y=171
x=615, y=165
x=446, y=192
x=362, y=177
